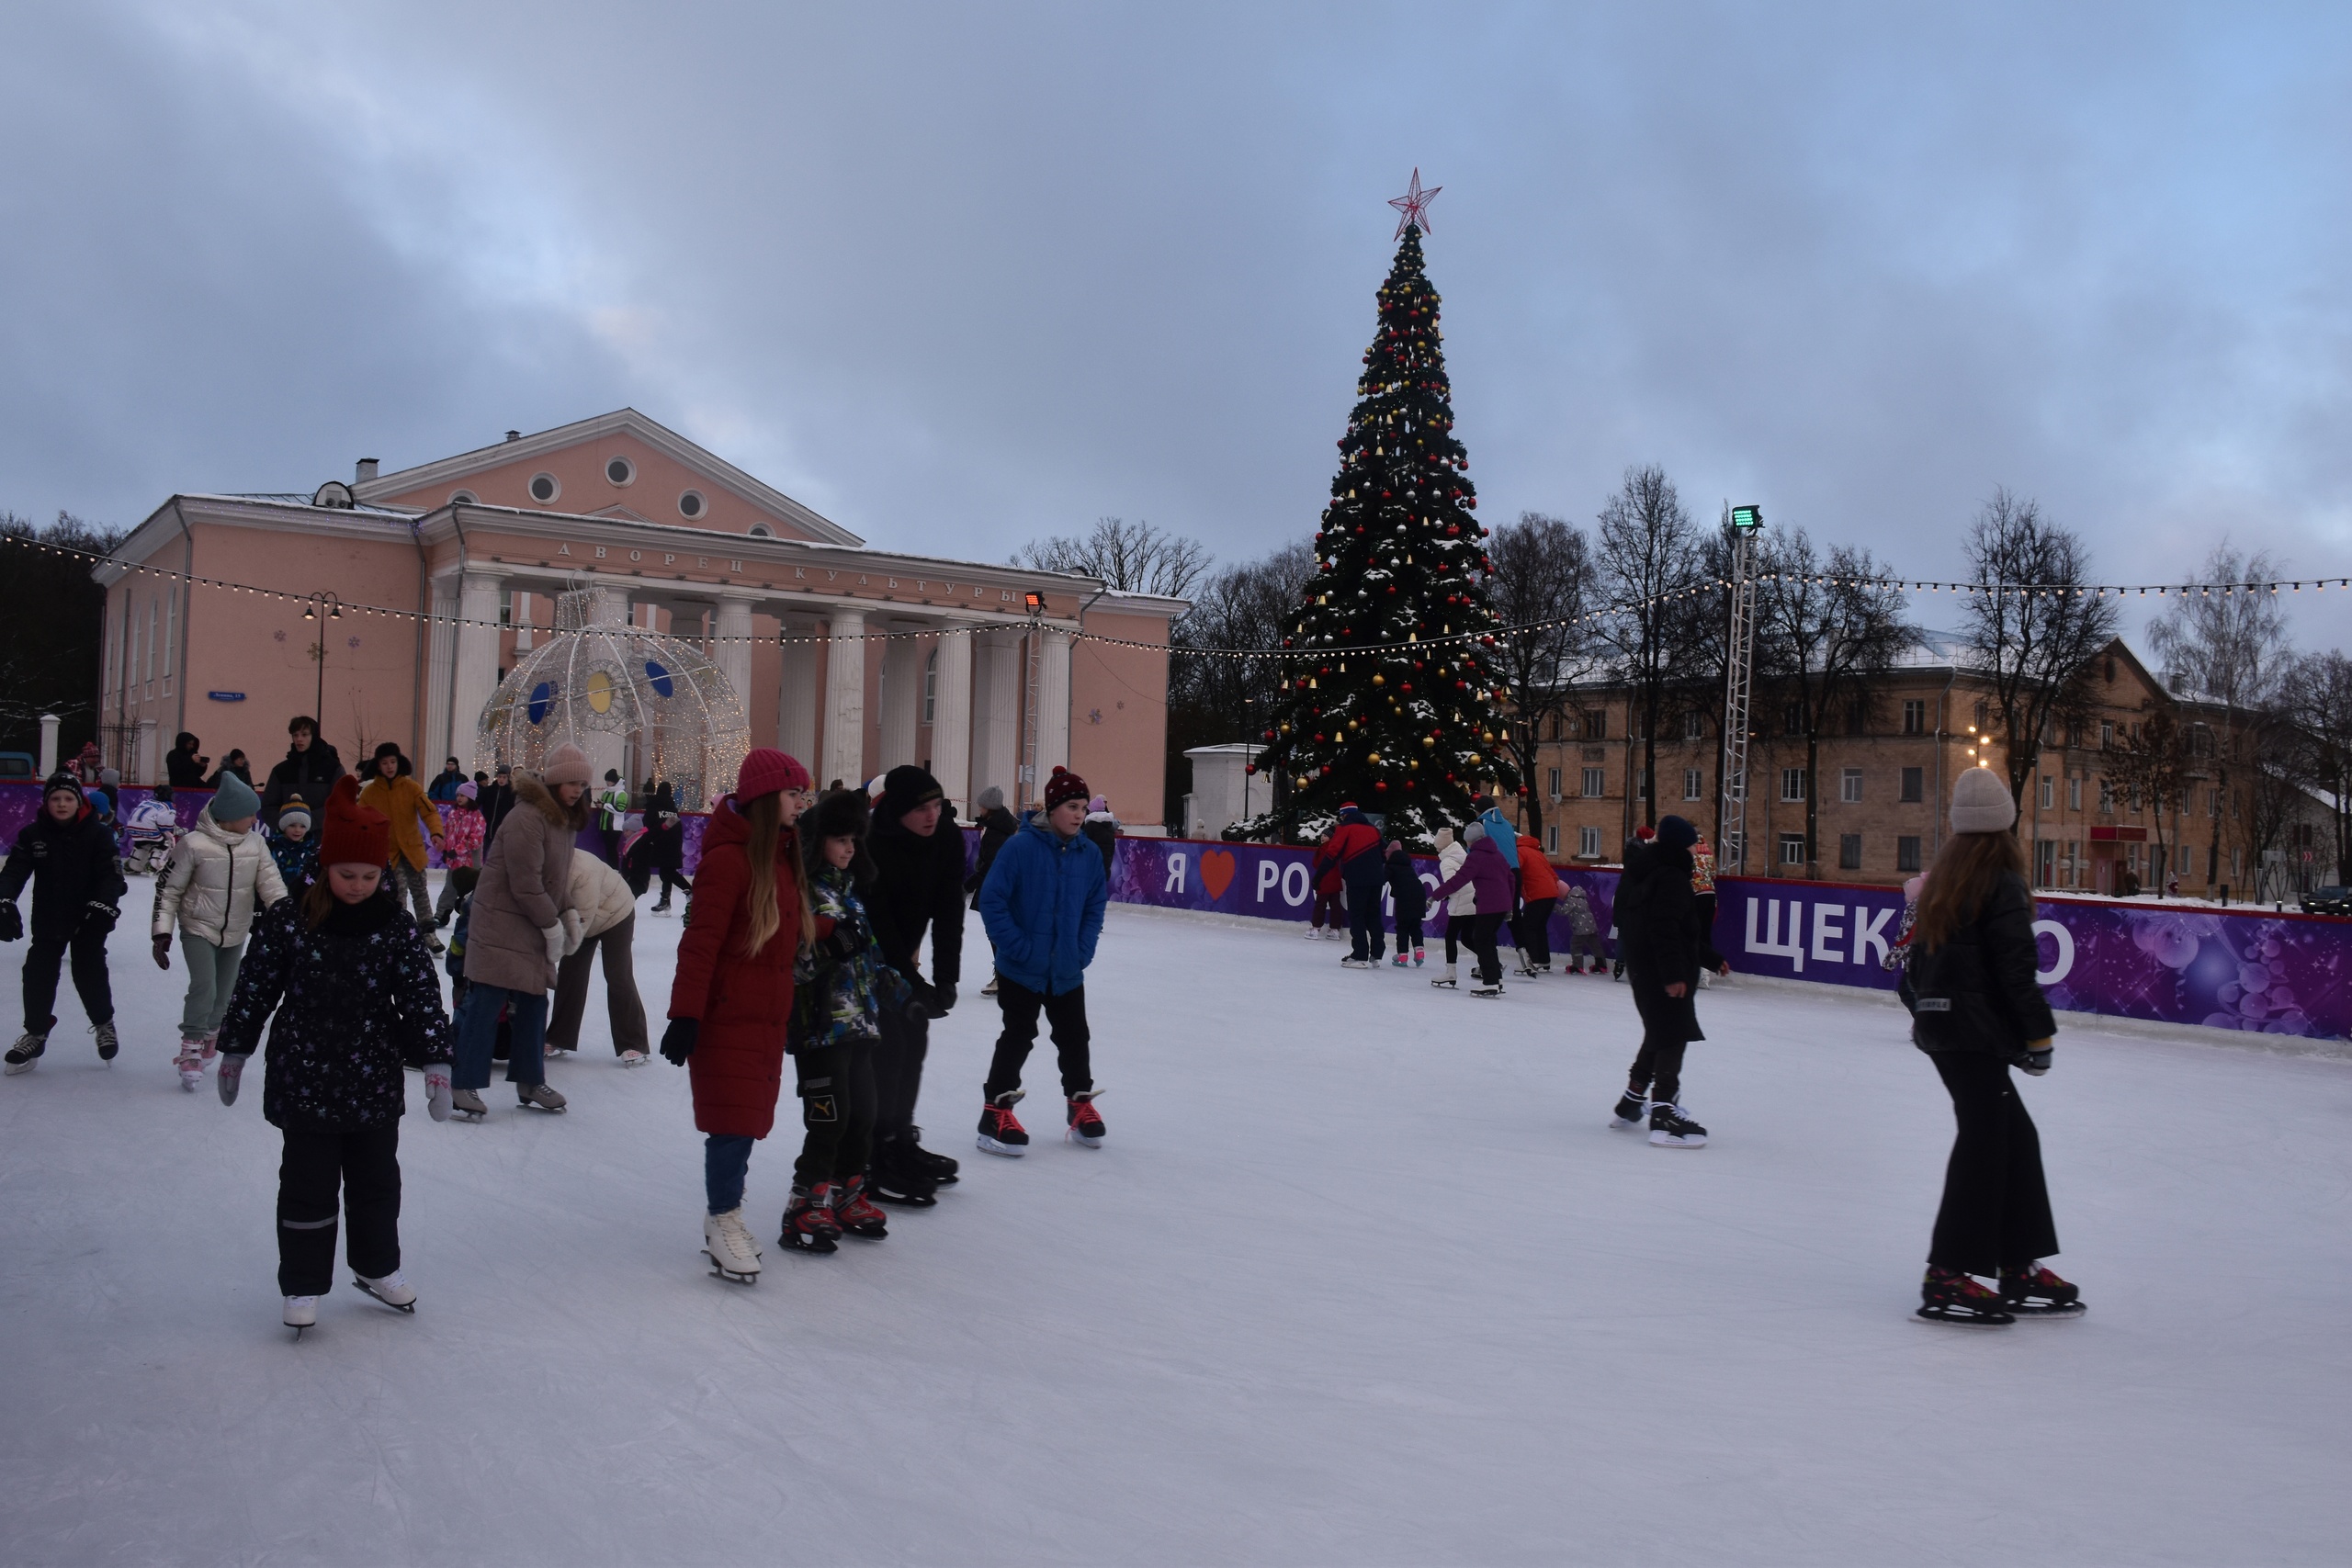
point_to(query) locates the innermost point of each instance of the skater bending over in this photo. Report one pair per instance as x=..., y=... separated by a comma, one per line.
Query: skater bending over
x=1978, y=1011
x=732, y=995
x=1663, y=946
x=602, y=918
x=220, y=876
x=1042, y=906
x=68, y=855
x=343, y=979
x=840, y=990
x=1492, y=884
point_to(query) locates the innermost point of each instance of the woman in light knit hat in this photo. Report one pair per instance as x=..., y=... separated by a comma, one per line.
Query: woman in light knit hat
x=1978, y=1011
x=515, y=935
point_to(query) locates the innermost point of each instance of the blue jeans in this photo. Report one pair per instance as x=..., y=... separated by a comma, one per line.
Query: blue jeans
x=726, y=1158
x=478, y=1033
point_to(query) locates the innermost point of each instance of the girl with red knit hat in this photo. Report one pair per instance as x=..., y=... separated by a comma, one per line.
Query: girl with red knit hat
x=732, y=996
x=347, y=975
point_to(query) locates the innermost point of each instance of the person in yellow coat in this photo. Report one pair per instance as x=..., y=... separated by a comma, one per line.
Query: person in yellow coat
x=392, y=789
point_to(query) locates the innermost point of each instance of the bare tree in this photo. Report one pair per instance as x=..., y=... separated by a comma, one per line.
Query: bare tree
x=2035, y=624
x=2157, y=761
x=1543, y=571
x=1648, y=586
x=1133, y=557
x=1213, y=697
x=1831, y=629
x=2228, y=649
x=2316, y=696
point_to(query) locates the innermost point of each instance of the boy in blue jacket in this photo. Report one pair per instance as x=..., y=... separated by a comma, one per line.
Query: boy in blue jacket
x=1042, y=906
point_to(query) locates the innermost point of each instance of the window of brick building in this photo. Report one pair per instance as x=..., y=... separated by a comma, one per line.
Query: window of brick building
x=1792, y=718
x=1858, y=716
x=1553, y=788
x=1596, y=782
x=1694, y=784
x=2049, y=792
x=1552, y=840
x=1914, y=782
x=2105, y=795
x=1792, y=849
x=1642, y=783
x=1849, y=786
x=1589, y=842
x=2073, y=791
x=1595, y=725
x=1907, y=854
x=2105, y=736
x=1791, y=783
x=1984, y=713
x=1694, y=726
x=1850, y=852
x=1914, y=716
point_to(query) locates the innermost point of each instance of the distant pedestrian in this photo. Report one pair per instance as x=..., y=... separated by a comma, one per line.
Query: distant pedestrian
x=183, y=767
x=309, y=770
x=612, y=816
x=231, y=766
x=462, y=837
x=1538, y=892
x=1101, y=830
x=444, y=787
x=1664, y=949
x=392, y=789
x=1356, y=853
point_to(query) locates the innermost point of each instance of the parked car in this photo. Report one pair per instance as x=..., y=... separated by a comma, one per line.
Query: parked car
x=18, y=765
x=2328, y=901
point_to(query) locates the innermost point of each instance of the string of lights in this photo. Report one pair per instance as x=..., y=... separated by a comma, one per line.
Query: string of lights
x=2022, y=591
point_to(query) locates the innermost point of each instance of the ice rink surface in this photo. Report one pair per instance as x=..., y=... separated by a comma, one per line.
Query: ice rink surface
x=1361, y=1276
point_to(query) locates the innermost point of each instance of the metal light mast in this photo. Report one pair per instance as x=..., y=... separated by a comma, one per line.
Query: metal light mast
x=1738, y=679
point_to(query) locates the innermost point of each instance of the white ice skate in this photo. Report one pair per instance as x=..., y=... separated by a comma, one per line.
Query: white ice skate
x=632, y=1058
x=729, y=1249
x=1449, y=980
x=190, y=1062
x=393, y=1290
x=301, y=1312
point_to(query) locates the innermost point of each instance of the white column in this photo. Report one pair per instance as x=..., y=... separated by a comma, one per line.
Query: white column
x=844, y=700
x=996, y=714
x=795, y=701
x=49, y=722
x=1053, y=706
x=474, y=665
x=732, y=653
x=145, y=765
x=901, y=700
x=440, y=667
x=951, y=718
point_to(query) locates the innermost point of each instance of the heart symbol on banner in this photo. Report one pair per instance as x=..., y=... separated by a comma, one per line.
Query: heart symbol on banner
x=1218, y=867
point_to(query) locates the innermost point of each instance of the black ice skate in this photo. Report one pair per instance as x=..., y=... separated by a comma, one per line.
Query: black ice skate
x=2035, y=1291
x=1000, y=1131
x=1632, y=1106
x=25, y=1052
x=937, y=1168
x=1670, y=1128
x=1949, y=1296
x=107, y=1043
x=1085, y=1122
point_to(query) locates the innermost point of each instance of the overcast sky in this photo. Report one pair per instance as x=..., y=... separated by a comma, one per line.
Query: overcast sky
x=959, y=276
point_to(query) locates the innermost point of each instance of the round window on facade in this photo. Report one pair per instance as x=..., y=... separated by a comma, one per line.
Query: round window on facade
x=544, y=488
x=691, y=504
x=464, y=497
x=762, y=531
x=620, y=471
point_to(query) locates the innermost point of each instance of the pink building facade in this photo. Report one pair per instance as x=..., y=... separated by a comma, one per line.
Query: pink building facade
x=443, y=572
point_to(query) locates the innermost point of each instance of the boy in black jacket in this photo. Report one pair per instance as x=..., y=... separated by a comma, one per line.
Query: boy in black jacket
x=919, y=851
x=68, y=855
x=1663, y=945
x=1412, y=898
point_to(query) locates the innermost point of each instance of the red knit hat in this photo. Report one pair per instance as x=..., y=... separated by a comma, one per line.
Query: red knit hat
x=766, y=771
x=1064, y=785
x=354, y=834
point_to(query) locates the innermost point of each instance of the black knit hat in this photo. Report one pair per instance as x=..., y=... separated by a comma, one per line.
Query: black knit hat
x=840, y=813
x=61, y=780
x=905, y=787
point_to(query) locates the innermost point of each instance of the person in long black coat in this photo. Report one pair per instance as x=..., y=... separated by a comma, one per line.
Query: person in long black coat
x=1978, y=1011
x=918, y=853
x=183, y=767
x=1663, y=943
x=310, y=770
x=68, y=855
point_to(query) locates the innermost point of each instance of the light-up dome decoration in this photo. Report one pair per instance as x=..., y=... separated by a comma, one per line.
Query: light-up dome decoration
x=598, y=677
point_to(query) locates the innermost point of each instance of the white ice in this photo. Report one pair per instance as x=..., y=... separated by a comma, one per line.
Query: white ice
x=1362, y=1275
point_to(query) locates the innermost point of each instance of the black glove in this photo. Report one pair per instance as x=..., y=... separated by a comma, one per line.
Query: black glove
x=940, y=1001
x=12, y=922
x=163, y=952
x=2035, y=1058
x=844, y=941
x=103, y=913
x=678, y=1040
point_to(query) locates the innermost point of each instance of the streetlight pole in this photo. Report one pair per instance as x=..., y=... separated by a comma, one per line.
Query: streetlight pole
x=334, y=607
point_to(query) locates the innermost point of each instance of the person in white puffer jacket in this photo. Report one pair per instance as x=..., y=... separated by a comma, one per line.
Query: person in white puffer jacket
x=602, y=918
x=222, y=875
x=1461, y=904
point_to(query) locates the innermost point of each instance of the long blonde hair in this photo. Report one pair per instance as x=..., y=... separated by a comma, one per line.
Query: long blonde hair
x=1967, y=869
x=769, y=835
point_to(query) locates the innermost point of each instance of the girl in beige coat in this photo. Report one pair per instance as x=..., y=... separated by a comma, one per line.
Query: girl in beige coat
x=515, y=935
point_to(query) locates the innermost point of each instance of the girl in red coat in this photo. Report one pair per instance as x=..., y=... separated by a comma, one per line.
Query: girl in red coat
x=732, y=996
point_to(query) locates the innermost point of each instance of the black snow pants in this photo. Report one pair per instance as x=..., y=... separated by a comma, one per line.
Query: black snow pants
x=1668, y=1024
x=88, y=947
x=1478, y=935
x=1072, y=1040
x=1534, y=929
x=365, y=1165
x=1995, y=1210
x=836, y=1090
x=898, y=1074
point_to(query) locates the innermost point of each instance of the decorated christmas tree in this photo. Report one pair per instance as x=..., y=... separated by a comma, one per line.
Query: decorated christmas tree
x=1396, y=711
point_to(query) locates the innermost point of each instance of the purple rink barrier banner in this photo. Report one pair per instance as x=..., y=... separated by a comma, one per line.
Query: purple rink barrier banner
x=2275, y=973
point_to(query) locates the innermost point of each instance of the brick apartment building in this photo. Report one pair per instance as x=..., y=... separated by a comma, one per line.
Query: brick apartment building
x=1884, y=784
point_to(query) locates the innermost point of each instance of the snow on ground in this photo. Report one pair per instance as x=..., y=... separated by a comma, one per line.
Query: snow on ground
x=1361, y=1276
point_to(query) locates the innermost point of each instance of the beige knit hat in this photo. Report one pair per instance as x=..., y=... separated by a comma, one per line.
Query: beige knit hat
x=1981, y=803
x=566, y=764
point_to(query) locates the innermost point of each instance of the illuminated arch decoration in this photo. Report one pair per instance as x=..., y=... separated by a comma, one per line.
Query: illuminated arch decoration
x=598, y=675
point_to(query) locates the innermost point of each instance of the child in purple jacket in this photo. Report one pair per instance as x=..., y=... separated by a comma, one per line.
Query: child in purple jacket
x=1493, y=885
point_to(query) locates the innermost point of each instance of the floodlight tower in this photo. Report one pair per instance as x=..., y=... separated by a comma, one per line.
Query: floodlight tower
x=1739, y=670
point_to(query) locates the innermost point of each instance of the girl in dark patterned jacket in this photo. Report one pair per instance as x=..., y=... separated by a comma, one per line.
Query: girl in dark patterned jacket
x=347, y=975
x=840, y=986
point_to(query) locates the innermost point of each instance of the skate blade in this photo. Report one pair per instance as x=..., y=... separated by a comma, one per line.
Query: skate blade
x=733, y=1276
x=1626, y=1121
x=904, y=1200
x=1668, y=1141
x=1953, y=1319
x=361, y=1286
x=815, y=1245
x=1072, y=1136
x=2045, y=1314
x=1010, y=1150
